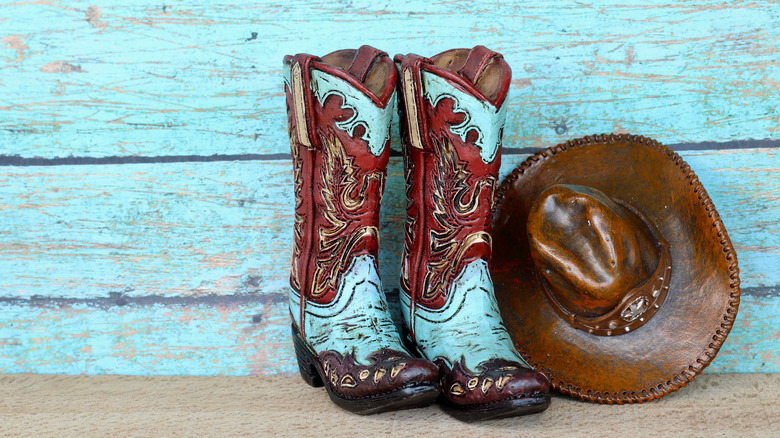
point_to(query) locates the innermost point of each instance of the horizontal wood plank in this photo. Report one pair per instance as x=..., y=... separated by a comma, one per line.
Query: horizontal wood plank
x=137, y=340
x=130, y=79
x=224, y=228
x=163, y=229
x=246, y=338
x=745, y=188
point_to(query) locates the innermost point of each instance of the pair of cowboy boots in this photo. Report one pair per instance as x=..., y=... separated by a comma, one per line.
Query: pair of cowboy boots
x=340, y=108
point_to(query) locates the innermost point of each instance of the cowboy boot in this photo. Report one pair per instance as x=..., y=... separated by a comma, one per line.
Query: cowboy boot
x=339, y=111
x=452, y=118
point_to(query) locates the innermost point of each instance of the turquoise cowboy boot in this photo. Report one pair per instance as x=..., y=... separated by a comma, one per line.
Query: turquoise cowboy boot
x=453, y=116
x=339, y=110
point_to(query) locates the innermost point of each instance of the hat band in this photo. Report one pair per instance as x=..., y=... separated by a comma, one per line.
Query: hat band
x=634, y=310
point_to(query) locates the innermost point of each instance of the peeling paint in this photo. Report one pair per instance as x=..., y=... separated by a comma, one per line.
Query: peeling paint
x=93, y=16
x=15, y=42
x=61, y=67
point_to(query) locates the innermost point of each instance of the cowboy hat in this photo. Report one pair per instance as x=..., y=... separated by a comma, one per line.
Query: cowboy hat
x=612, y=269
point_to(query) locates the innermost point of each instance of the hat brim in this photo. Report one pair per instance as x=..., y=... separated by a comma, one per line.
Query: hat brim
x=683, y=337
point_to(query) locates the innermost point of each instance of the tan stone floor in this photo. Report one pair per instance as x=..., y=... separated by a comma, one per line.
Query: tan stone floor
x=744, y=405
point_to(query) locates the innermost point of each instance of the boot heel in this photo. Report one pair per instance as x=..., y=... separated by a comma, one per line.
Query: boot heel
x=406, y=338
x=307, y=365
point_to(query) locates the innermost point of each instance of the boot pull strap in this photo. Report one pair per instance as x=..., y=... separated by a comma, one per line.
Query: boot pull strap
x=479, y=57
x=411, y=87
x=410, y=83
x=365, y=58
x=303, y=100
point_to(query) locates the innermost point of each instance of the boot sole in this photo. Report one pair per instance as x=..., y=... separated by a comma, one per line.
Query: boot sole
x=413, y=395
x=502, y=409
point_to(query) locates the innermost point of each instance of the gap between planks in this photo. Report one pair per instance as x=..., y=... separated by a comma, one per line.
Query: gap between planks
x=19, y=161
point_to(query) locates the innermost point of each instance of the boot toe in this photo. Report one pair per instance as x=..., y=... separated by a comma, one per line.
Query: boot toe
x=502, y=389
x=393, y=381
x=527, y=382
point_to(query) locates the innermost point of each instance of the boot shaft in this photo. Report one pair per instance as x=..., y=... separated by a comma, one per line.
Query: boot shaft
x=453, y=114
x=339, y=111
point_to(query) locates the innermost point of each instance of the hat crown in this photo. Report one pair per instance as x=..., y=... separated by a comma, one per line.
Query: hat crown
x=591, y=251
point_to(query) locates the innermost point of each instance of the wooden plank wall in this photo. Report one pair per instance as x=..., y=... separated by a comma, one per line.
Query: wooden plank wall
x=145, y=182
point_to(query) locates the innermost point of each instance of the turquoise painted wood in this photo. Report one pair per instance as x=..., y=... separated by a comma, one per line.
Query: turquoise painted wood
x=188, y=233
x=160, y=229
x=207, y=339
x=157, y=339
x=180, y=78
x=744, y=186
x=180, y=267
x=225, y=228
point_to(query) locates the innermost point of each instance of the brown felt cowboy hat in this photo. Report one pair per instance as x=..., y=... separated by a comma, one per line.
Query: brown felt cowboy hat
x=612, y=269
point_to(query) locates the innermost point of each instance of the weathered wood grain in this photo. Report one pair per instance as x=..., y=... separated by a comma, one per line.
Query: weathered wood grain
x=199, y=339
x=224, y=228
x=283, y=406
x=127, y=78
x=745, y=187
x=244, y=338
x=181, y=267
x=162, y=229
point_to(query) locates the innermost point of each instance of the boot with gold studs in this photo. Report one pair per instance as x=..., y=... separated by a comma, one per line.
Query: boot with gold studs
x=452, y=117
x=339, y=111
